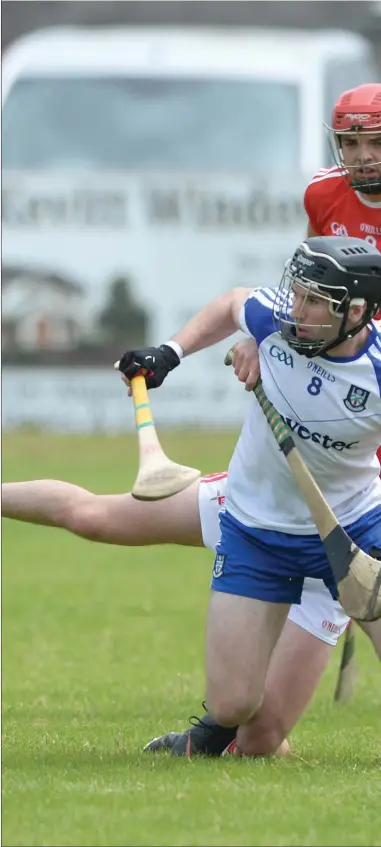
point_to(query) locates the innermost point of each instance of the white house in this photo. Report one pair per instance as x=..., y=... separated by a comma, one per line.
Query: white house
x=40, y=310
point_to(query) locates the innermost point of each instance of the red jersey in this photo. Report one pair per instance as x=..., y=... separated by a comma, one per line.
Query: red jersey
x=334, y=208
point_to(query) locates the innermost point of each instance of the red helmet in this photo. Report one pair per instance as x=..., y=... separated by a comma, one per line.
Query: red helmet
x=358, y=113
x=358, y=109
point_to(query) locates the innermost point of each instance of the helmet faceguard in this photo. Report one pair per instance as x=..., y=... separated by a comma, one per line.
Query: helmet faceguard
x=357, y=114
x=344, y=272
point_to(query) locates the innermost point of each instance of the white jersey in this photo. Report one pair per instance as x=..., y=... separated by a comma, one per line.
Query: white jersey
x=333, y=408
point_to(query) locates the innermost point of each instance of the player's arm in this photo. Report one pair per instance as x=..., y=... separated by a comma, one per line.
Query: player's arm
x=217, y=320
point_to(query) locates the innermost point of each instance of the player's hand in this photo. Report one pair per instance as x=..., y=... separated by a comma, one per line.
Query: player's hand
x=154, y=363
x=245, y=362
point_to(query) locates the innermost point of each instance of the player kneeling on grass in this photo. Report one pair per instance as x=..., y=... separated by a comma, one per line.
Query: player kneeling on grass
x=310, y=632
x=321, y=368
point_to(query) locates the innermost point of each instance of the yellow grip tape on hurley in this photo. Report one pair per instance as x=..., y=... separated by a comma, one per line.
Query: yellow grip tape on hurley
x=143, y=412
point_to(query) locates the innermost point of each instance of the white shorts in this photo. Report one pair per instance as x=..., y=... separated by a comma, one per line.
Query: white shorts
x=318, y=613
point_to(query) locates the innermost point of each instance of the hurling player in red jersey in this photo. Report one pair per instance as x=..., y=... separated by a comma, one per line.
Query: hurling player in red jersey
x=346, y=199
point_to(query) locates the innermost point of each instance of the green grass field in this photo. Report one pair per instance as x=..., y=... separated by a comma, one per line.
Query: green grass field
x=103, y=648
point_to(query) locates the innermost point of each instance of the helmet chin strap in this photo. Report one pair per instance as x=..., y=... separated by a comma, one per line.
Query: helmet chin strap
x=373, y=187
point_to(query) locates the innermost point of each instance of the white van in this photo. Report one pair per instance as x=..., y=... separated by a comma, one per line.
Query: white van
x=144, y=172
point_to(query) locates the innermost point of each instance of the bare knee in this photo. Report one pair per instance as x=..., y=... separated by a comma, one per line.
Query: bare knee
x=84, y=519
x=233, y=711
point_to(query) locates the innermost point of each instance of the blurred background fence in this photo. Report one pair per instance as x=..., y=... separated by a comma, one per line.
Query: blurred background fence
x=154, y=155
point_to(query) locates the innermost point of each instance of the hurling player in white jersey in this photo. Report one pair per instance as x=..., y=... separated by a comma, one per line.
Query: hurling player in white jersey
x=320, y=356
x=311, y=630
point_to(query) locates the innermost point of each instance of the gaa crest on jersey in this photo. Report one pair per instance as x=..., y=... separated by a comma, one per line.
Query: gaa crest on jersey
x=218, y=567
x=356, y=399
x=339, y=229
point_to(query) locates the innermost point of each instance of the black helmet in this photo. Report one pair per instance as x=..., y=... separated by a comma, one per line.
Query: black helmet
x=346, y=271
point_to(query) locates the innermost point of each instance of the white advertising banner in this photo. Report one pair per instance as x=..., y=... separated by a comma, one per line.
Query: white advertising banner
x=93, y=264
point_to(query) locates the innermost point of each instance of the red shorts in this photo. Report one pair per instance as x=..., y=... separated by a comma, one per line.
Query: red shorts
x=379, y=457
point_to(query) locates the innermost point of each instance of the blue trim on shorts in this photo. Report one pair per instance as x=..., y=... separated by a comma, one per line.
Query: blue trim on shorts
x=267, y=565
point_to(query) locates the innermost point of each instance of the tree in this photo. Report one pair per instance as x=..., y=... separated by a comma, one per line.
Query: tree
x=122, y=317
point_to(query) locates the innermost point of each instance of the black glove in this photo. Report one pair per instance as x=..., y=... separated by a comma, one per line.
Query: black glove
x=152, y=362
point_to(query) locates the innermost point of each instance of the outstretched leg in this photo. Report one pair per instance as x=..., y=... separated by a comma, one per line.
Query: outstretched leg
x=107, y=518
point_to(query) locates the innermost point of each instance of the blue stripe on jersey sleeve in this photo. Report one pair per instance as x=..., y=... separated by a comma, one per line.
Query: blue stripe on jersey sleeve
x=374, y=353
x=257, y=317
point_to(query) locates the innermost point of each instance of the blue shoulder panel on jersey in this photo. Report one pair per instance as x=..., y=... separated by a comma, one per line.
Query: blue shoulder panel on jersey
x=374, y=353
x=258, y=314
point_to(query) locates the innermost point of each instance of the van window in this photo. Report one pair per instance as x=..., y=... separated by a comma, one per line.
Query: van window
x=123, y=123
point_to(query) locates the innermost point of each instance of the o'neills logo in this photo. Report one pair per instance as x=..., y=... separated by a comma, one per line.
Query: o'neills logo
x=332, y=627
